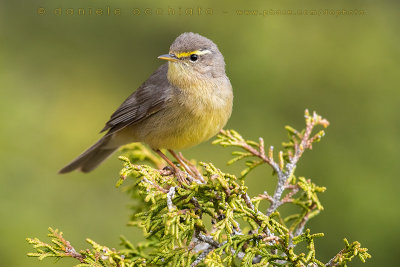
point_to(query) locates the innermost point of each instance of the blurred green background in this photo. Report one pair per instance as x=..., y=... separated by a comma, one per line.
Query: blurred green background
x=61, y=76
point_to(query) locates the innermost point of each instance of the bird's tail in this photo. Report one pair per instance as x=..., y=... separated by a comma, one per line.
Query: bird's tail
x=91, y=158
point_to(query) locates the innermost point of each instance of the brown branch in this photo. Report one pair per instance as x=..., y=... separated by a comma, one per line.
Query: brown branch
x=331, y=262
x=299, y=149
x=302, y=224
x=68, y=248
x=264, y=196
x=260, y=153
x=288, y=197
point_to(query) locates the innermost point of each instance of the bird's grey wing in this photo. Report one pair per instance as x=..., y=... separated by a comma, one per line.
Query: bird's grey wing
x=148, y=99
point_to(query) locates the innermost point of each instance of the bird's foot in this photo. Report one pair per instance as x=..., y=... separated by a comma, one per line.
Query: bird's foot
x=187, y=176
x=193, y=168
x=189, y=167
x=180, y=175
x=166, y=171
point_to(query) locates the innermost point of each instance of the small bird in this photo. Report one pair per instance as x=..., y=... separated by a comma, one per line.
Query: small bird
x=186, y=101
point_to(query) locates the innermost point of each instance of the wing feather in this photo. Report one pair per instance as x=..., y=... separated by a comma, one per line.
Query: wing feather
x=148, y=99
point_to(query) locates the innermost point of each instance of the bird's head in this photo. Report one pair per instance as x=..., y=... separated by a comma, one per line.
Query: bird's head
x=193, y=59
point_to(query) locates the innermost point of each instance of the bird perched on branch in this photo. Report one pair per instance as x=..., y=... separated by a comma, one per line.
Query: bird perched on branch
x=186, y=101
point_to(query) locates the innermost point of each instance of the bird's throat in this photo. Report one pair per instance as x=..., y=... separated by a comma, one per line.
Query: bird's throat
x=184, y=77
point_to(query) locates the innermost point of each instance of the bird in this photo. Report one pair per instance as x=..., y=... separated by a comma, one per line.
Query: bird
x=185, y=102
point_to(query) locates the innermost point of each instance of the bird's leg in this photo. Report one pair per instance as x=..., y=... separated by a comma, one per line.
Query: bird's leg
x=179, y=174
x=193, y=167
x=189, y=167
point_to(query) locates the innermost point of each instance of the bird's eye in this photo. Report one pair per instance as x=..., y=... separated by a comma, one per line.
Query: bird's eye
x=194, y=57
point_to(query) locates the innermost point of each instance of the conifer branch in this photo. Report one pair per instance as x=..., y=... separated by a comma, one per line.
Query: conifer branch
x=348, y=253
x=61, y=247
x=172, y=212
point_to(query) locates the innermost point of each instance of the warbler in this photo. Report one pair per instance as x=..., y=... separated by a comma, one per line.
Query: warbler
x=185, y=102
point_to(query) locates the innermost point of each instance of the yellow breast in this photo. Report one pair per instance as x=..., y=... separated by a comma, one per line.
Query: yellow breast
x=196, y=113
x=207, y=102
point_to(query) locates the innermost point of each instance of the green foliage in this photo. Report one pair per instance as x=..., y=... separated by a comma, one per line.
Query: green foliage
x=348, y=253
x=97, y=256
x=208, y=219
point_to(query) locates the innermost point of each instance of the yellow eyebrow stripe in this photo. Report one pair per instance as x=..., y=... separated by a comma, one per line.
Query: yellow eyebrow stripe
x=187, y=54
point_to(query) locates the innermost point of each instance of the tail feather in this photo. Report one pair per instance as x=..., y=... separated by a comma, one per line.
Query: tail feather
x=91, y=158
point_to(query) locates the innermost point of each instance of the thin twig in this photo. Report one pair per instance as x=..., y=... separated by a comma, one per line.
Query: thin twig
x=331, y=261
x=69, y=249
x=202, y=256
x=159, y=188
x=288, y=197
x=248, y=201
x=208, y=240
x=170, y=195
x=260, y=153
x=303, y=222
x=263, y=196
x=299, y=149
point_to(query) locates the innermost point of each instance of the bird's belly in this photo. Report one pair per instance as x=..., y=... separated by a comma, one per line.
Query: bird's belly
x=181, y=128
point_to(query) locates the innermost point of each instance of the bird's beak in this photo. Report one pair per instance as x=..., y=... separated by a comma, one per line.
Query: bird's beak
x=169, y=57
